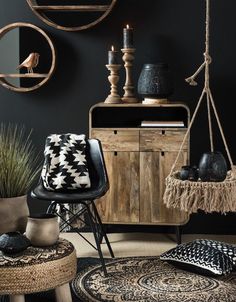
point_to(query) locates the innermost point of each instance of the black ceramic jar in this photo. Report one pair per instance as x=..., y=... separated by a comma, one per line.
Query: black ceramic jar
x=155, y=81
x=212, y=167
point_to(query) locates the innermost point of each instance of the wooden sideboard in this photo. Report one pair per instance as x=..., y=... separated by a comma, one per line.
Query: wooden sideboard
x=138, y=160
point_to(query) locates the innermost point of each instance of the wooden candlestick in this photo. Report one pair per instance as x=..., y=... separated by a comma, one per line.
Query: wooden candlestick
x=128, y=58
x=113, y=78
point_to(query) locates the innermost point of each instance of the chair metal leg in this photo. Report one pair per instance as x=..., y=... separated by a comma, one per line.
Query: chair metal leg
x=96, y=237
x=95, y=225
x=71, y=218
x=102, y=230
x=51, y=208
x=67, y=222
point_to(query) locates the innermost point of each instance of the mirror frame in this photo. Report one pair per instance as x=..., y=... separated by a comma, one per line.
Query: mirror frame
x=40, y=14
x=4, y=30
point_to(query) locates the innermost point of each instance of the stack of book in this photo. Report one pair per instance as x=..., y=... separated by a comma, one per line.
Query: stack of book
x=162, y=124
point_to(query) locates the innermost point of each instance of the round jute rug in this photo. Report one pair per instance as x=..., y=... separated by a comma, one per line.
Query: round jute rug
x=148, y=279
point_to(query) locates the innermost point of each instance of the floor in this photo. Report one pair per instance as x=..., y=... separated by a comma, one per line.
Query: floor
x=137, y=244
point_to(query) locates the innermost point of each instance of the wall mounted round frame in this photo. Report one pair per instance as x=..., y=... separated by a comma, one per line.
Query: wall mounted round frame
x=47, y=13
x=22, y=49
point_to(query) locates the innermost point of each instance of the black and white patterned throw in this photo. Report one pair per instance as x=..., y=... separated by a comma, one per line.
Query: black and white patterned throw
x=199, y=258
x=65, y=166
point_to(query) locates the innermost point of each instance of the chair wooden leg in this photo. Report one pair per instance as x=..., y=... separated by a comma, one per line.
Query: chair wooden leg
x=17, y=298
x=63, y=293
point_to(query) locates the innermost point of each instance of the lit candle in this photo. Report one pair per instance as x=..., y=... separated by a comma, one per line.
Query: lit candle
x=112, y=56
x=128, y=39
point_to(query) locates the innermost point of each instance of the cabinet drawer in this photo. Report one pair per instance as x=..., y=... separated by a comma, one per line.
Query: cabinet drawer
x=117, y=140
x=162, y=140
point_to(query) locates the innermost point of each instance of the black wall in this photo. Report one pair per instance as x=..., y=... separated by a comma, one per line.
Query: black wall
x=165, y=30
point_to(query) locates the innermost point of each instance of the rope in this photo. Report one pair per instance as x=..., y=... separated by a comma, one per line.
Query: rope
x=210, y=123
x=221, y=131
x=188, y=131
x=206, y=90
x=207, y=40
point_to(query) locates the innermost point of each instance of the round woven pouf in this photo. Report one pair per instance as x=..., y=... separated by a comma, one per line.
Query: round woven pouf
x=39, y=269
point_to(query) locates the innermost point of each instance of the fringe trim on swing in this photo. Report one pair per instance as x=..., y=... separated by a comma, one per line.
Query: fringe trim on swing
x=190, y=196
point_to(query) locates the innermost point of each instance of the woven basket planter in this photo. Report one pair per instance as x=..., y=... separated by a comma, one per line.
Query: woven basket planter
x=190, y=196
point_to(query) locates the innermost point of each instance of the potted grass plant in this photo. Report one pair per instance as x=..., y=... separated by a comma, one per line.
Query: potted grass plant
x=19, y=166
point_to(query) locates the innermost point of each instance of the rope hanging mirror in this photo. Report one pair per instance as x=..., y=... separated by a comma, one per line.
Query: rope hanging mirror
x=190, y=196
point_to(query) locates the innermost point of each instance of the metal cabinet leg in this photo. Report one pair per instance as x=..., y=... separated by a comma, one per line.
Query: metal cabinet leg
x=178, y=234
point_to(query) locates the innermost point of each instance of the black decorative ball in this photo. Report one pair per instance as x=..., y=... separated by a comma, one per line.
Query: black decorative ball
x=184, y=172
x=13, y=243
x=189, y=173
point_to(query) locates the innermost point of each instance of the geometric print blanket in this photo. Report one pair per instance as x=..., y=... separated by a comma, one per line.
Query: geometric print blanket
x=65, y=166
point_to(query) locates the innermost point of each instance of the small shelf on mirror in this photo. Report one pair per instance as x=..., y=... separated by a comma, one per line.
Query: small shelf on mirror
x=78, y=8
x=72, y=15
x=23, y=75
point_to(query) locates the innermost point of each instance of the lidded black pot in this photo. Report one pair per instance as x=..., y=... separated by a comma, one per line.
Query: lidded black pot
x=155, y=81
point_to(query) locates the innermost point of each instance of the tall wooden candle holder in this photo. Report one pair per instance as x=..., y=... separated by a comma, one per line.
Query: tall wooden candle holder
x=113, y=97
x=128, y=58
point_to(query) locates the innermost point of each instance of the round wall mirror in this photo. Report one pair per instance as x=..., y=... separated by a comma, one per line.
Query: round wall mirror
x=71, y=15
x=27, y=59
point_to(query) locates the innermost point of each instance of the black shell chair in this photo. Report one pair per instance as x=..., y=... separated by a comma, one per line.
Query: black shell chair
x=84, y=197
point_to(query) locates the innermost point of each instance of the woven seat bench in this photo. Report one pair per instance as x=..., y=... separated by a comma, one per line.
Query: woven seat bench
x=37, y=270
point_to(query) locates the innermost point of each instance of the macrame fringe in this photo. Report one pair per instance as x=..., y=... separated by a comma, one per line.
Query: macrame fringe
x=189, y=196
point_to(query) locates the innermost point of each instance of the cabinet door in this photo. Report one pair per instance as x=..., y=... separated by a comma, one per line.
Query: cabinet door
x=121, y=202
x=149, y=186
x=154, y=168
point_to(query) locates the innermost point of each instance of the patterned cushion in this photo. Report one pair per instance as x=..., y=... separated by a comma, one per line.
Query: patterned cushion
x=65, y=166
x=226, y=248
x=199, y=258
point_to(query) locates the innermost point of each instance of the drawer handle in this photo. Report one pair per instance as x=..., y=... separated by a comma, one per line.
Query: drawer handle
x=148, y=140
x=115, y=131
x=162, y=153
x=163, y=132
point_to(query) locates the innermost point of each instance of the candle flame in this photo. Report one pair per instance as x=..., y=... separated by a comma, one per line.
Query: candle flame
x=112, y=48
x=127, y=26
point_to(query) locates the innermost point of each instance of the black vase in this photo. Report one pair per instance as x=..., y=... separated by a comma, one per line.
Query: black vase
x=155, y=81
x=212, y=167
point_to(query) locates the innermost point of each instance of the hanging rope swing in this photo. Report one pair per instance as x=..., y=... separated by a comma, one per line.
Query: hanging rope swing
x=190, y=196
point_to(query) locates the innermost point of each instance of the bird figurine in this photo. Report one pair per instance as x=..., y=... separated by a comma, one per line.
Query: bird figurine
x=30, y=62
